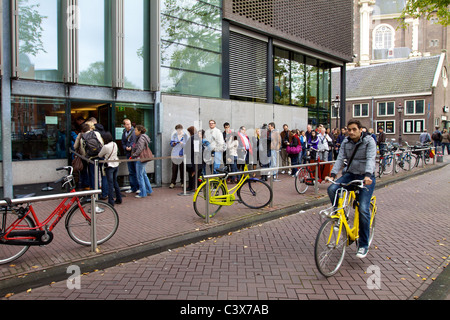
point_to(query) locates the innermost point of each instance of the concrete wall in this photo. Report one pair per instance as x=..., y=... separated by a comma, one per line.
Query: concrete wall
x=197, y=111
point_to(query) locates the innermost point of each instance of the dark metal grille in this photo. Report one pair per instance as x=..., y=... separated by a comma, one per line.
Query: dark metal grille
x=325, y=25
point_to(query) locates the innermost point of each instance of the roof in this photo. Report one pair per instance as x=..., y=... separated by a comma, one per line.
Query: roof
x=389, y=79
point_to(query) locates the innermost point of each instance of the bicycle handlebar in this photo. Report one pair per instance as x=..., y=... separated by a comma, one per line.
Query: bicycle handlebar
x=356, y=183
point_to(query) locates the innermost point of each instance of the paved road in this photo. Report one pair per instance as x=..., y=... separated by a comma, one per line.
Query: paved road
x=274, y=260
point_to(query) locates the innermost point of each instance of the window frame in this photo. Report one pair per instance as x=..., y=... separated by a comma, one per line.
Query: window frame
x=414, y=126
x=386, y=114
x=361, y=115
x=415, y=107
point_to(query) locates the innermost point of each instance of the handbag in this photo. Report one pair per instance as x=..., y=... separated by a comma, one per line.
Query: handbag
x=77, y=163
x=146, y=154
x=294, y=150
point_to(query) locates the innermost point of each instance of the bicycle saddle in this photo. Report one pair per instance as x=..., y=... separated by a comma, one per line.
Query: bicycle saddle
x=222, y=170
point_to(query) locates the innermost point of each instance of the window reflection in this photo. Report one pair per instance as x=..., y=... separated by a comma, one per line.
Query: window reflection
x=38, y=128
x=93, y=52
x=38, y=40
x=191, y=49
x=134, y=50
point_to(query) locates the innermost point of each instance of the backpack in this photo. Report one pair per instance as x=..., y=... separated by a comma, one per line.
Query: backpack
x=436, y=136
x=91, y=144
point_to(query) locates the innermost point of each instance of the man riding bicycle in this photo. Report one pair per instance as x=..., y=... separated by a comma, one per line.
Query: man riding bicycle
x=360, y=150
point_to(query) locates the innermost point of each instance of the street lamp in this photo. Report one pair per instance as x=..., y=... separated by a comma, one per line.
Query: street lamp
x=400, y=112
x=336, y=104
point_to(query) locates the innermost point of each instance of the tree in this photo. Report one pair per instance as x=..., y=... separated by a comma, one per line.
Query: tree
x=426, y=8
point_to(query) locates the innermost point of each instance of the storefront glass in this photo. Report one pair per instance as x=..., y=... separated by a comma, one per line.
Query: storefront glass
x=39, y=48
x=38, y=128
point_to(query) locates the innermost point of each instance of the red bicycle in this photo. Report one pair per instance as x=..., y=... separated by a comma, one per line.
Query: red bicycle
x=21, y=228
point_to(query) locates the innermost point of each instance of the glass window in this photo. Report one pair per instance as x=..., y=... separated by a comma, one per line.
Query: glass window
x=94, y=54
x=386, y=108
x=361, y=110
x=38, y=128
x=311, y=83
x=191, y=47
x=138, y=114
x=282, y=81
x=298, y=80
x=135, y=53
x=415, y=107
x=39, y=48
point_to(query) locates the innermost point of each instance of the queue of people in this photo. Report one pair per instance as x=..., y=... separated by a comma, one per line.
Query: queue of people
x=203, y=149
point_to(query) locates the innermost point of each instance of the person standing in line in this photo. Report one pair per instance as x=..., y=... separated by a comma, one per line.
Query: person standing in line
x=437, y=137
x=322, y=145
x=381, y=141
x=285, y=158
x=177, y=142
x=304, y=143
x=109, y=152
x=142, y=142
x=445, y=142
x=128, y=140
x=275, y=145
x=424, y=137
x=217, y=144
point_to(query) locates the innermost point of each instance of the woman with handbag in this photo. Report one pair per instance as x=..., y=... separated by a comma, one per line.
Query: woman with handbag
x=294, y=149
x=111, y=169
x=141, y=150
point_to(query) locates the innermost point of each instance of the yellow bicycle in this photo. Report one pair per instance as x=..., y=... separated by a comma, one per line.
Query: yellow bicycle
x=336, y=233
x=251, y=192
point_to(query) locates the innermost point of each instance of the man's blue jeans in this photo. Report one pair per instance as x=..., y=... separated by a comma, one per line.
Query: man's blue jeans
x=218, y=155
x=364, y=197
x=134, y=184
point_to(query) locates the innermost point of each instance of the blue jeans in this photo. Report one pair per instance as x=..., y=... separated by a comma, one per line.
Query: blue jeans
x=274, y=162
x=144, y=183
x=217, y=160
x=113, y=185
x=364, y=204
x=132, y=175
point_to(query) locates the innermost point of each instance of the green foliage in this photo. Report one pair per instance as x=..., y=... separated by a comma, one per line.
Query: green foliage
x=426, y=8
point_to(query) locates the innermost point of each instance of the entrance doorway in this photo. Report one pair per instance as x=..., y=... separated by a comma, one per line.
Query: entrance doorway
x=81, y=111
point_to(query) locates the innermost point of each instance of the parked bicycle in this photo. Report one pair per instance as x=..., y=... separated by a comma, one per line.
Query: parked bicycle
x=20, y=227
x=251, y=192
x=338, y=231
x=305, y=177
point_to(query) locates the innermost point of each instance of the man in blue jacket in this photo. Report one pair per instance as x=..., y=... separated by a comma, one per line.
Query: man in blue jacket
x=128, y=139
x=362, y=167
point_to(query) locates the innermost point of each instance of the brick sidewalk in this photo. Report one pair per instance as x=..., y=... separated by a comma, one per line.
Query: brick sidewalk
x=153, y=223
x=275, y=260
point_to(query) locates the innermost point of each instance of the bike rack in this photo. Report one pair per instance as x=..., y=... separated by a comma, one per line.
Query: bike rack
x=91, y=193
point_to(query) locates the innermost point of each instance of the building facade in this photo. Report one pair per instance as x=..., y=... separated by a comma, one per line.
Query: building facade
x=378, y=38
x=159, y=63
x=405, y=98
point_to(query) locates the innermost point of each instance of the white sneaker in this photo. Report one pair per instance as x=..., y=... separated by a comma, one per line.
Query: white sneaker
x=362, y=252
x=128, y=191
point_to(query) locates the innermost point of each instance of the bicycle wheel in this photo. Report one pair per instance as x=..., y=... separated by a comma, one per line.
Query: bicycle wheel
x=78, y=222
x=300, y=180
x=9, y=253
x=255, y=194
x=329, y=249
x=373, y=211
x=388, y=164
x=200, y=198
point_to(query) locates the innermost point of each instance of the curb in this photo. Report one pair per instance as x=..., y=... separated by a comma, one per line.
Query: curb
x=98, y=262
